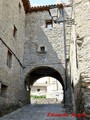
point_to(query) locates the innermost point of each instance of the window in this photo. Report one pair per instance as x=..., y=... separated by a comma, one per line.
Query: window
x=38, y=90
x=3, y=89
x=19, y=7
x=15, y=32
x=49, y=23
x=42, y=48
x=9, y=59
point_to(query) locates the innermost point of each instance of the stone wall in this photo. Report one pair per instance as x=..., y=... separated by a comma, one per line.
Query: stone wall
x=81, y=43
x=45, y=101
x=13, y=15
x=37, y=35
x=55, y=40
x=12, y=33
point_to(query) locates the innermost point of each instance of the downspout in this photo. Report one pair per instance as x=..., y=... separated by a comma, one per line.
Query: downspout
x=64, y=35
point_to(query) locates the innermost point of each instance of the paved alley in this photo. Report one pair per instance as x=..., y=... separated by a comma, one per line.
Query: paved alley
x=38, y=112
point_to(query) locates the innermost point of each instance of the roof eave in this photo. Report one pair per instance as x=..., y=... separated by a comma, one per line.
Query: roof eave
x=43, y=8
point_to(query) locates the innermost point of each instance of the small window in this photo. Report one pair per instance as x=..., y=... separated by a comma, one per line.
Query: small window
x=38, y=90
x=19, y=7
x=3, y=88
x=42, y=48
x=46, y=82
x=9, y=59
x=15, y=32
x=49, y=23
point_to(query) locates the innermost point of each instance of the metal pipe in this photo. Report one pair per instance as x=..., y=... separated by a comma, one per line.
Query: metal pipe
x=64, y=35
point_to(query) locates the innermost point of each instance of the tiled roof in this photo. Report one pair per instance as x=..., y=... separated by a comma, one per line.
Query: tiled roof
x=28, y=8
x=46, y=7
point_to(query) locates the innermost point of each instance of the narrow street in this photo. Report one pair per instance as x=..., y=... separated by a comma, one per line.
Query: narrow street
x=38, y=112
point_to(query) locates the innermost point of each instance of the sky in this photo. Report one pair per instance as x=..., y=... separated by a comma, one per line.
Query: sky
x=44, y=2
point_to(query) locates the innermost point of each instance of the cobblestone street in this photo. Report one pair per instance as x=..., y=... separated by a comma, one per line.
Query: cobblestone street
x=38, y=112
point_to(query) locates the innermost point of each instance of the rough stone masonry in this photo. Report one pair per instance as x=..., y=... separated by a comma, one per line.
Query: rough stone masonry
x=32, y=45
x=80, y=55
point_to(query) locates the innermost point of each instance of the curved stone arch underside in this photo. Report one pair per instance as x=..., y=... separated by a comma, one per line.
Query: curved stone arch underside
x=43, y=71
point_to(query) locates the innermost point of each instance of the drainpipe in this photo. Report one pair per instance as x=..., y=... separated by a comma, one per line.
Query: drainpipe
x=64, y=35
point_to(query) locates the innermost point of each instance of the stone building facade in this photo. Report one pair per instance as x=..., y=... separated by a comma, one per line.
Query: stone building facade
x=33, y=46
x=46, y=48
x=80, y=52
x=12, y=37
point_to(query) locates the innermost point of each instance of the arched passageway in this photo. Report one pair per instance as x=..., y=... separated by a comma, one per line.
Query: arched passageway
x=40, y=72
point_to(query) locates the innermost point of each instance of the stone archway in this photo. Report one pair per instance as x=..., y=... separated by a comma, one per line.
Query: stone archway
x=40, y=72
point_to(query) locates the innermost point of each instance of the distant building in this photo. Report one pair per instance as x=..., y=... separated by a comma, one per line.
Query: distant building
x=49, y=87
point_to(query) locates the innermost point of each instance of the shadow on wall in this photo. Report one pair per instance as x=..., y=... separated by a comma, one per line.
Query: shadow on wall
x=82, y=99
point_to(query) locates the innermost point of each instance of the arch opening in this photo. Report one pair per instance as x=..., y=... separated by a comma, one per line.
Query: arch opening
x=46, y=90
x=43, y=72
